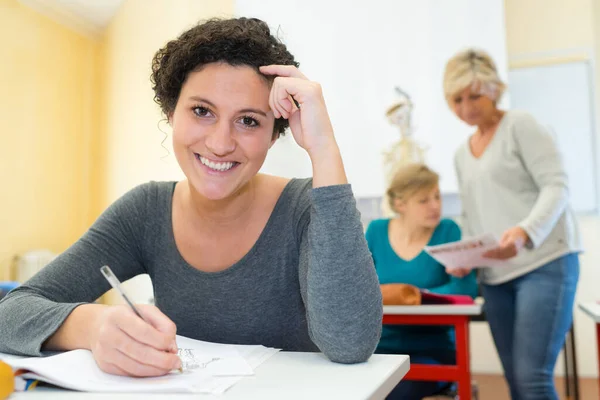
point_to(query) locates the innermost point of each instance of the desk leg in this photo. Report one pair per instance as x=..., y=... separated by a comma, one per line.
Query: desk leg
x=598, y=340
x=463, y=359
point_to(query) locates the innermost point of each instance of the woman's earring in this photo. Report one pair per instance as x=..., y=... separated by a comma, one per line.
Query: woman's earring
x=164, y=122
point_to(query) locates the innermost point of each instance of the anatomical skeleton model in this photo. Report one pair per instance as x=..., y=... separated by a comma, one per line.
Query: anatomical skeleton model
x=404, y=151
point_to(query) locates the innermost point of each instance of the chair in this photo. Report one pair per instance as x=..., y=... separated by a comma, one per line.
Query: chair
x=452, y=393
x=570, y=359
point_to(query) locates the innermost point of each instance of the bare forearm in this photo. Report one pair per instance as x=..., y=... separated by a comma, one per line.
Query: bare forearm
x=76, y=331
x=328, y=167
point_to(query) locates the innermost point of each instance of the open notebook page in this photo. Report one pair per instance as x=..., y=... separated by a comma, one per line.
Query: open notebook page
x=212, y=368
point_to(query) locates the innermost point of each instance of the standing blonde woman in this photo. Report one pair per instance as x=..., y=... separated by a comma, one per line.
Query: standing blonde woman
x=513, y=184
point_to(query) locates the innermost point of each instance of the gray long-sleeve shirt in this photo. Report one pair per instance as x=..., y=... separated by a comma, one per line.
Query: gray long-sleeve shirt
x=307, y=284
x=518, y=181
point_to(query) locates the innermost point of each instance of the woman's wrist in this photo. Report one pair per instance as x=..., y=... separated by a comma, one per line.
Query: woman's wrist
x=327, y=165
x=76, y=330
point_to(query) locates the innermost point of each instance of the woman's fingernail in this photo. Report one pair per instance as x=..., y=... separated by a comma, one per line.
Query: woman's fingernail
x=177, y=364
x=173, y=347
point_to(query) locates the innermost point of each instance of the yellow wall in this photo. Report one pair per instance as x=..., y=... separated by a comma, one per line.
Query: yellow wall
x=49, y=82
x=547, y=31
x=132, y=135
x=80, y=127
x=596, y=25
x=134, y=153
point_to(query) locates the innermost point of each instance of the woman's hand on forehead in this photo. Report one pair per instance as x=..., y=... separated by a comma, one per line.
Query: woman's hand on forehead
x=294, y=97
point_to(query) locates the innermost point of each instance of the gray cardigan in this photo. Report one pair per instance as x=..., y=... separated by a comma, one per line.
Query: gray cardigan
x=308, y=283
x=518, y=180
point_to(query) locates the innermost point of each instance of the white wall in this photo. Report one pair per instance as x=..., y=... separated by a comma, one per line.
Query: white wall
x=359, y=53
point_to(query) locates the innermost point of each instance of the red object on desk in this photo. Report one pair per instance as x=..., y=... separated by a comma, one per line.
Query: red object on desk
x=432, y=298
x=461, y=372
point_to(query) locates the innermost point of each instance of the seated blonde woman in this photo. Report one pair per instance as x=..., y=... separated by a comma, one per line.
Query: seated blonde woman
x=397, y=248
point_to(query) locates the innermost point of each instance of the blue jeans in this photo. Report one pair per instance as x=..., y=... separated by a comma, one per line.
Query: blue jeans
x=529, y=318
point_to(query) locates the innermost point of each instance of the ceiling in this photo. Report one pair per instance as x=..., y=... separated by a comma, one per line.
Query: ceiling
x=88, y=17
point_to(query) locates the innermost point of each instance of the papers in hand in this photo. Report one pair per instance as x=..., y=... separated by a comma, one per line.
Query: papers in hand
x=467, y=253
x=213, y=368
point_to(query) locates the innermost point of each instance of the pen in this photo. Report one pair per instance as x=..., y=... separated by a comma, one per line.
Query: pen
x=116, y=284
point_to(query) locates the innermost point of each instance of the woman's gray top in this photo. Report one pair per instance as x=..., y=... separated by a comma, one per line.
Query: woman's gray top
x=307, y=284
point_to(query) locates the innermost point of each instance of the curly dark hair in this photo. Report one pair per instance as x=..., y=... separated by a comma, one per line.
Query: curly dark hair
x=236, y=41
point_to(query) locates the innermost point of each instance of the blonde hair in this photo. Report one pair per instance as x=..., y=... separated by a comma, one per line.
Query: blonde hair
x=409, y=180
x=475, y=68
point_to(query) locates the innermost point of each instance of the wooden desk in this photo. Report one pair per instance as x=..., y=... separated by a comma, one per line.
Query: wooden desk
x=455, y=315
x=593, y=311
x=286, y=375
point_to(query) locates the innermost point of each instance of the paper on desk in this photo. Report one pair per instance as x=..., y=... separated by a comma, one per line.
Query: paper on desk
x=255, y=355
x=466, y=253
x=221, y=367
x=215, y=358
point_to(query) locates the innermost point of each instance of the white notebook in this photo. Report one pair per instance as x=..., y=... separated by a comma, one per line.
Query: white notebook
x=208, y=368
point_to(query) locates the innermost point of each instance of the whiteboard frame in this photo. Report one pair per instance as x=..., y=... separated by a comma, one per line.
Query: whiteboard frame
x=589, y=67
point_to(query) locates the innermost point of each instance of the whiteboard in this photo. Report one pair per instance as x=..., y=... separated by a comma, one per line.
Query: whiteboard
x=560, y=97
x=359, y=51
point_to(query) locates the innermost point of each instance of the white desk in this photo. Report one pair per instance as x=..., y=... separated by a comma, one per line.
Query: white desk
x=286, y=375
x=593, y=311
x=461, y=309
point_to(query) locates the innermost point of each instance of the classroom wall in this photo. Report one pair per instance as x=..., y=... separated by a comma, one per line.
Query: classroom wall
x=135, y=153
x=133, y=131
x=595, y=16
x=49, y=81
x=540, y=32
x=359, y=68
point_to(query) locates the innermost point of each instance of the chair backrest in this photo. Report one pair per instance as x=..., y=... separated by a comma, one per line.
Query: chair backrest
x=31, y=262
x=7, y=286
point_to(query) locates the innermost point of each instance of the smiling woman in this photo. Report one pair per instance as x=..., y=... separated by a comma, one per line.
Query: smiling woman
x=222, y=128
x=234, y=256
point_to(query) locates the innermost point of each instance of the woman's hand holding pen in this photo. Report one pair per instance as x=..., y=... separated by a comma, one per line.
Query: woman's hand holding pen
x=124, y=344
x=294, y=97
